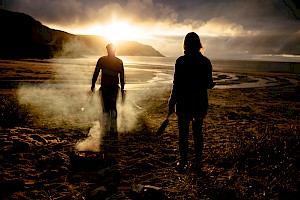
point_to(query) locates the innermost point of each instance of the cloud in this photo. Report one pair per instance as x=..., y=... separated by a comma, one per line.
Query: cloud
x=146, y=10
x=65, y=12
x=245, y=47
x=226, y=26
x=252, y=15
x=79, y=12
x=235, y=47
x=220, y=26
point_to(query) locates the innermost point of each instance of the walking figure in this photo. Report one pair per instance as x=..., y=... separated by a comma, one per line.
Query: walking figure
x=112, y=73
x=192, y=78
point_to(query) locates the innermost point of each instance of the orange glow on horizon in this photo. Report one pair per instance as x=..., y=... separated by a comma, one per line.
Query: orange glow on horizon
x=114, y=32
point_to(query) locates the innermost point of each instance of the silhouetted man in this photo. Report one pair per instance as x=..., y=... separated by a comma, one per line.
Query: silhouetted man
x=192, y=78
x=112, y=73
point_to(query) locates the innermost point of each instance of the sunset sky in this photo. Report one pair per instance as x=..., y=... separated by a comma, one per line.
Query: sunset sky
x=253, y=29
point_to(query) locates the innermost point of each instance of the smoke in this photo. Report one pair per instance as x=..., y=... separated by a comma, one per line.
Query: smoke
x=93, y=141
x=126, y=121
x=73, y=48
x=127, y=114
x=65, y=102
x=59, y=107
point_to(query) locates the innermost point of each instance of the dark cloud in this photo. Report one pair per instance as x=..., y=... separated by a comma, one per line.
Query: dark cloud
x=250, y=14
x=78, y=12
x=226, y=26
x=254, y=14
x=67, y=12
x=248, y=46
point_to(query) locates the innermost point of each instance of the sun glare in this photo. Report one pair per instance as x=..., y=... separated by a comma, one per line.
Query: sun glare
x=114, y=32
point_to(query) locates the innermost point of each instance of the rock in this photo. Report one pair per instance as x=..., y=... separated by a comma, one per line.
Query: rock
x=54, y=160
x=233, y=116
x=53, y=165
x=147, y=192
x=153, y=192
x=21, y=146
x=39, y=138
x=97, y=193
x=222, y=76
x=87, y=161
x=10, y=186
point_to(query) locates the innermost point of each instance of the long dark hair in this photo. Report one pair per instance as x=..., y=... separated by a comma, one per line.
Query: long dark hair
x=192, y=43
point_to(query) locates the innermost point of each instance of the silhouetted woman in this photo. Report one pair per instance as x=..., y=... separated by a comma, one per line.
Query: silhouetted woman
x=192, y=78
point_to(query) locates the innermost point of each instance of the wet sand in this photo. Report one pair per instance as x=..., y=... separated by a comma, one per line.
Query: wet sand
x=251, y=140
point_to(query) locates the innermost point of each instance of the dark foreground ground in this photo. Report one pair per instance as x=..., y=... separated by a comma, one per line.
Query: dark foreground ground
x=251, y=151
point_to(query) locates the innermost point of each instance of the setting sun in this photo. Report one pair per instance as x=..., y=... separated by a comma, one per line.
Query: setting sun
x=114, y=32
x=120, y=31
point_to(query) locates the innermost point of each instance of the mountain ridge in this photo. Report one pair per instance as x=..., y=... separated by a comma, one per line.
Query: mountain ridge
x=24, y=37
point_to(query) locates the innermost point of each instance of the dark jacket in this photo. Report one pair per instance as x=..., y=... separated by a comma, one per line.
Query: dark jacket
x=112, y=73
x=192, y=78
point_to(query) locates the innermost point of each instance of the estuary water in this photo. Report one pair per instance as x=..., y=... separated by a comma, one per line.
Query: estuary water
x=144, y=73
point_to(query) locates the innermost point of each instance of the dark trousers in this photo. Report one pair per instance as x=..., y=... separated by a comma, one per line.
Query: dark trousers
x=183, y=124
x=109, y=99
x=109, y=105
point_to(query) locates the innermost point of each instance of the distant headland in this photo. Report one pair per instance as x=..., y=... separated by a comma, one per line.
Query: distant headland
x=22, y=36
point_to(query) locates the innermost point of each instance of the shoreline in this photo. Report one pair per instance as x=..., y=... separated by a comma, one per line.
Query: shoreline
x=137, y=77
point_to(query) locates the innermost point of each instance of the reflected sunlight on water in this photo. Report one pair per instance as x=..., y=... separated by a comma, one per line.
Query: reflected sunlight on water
x=169, y=62
x=145, y=72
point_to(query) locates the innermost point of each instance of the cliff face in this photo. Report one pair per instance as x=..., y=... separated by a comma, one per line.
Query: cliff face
x=22, y=36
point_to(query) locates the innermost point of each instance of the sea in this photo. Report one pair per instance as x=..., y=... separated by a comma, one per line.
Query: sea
x=218, y=65
x=225, y=65
x=144, y=72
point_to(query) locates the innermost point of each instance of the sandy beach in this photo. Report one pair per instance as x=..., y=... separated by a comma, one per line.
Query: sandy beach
x=251, y=137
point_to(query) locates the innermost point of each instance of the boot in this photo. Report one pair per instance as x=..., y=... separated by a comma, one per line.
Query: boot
x=105, y=122
x=113, y=119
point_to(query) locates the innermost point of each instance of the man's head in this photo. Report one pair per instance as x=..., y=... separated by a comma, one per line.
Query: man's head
x=111, y=49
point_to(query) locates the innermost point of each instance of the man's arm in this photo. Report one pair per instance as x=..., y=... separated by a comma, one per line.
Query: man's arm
x=95, y=75
x=122, y=79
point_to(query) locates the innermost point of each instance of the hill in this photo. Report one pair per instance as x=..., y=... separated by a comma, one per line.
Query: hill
x=24, y=37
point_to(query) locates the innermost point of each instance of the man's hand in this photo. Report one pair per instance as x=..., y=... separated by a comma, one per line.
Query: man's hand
x=91, y=92
x=123, y=96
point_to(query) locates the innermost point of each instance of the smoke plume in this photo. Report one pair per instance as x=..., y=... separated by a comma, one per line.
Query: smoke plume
x=65, y=102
